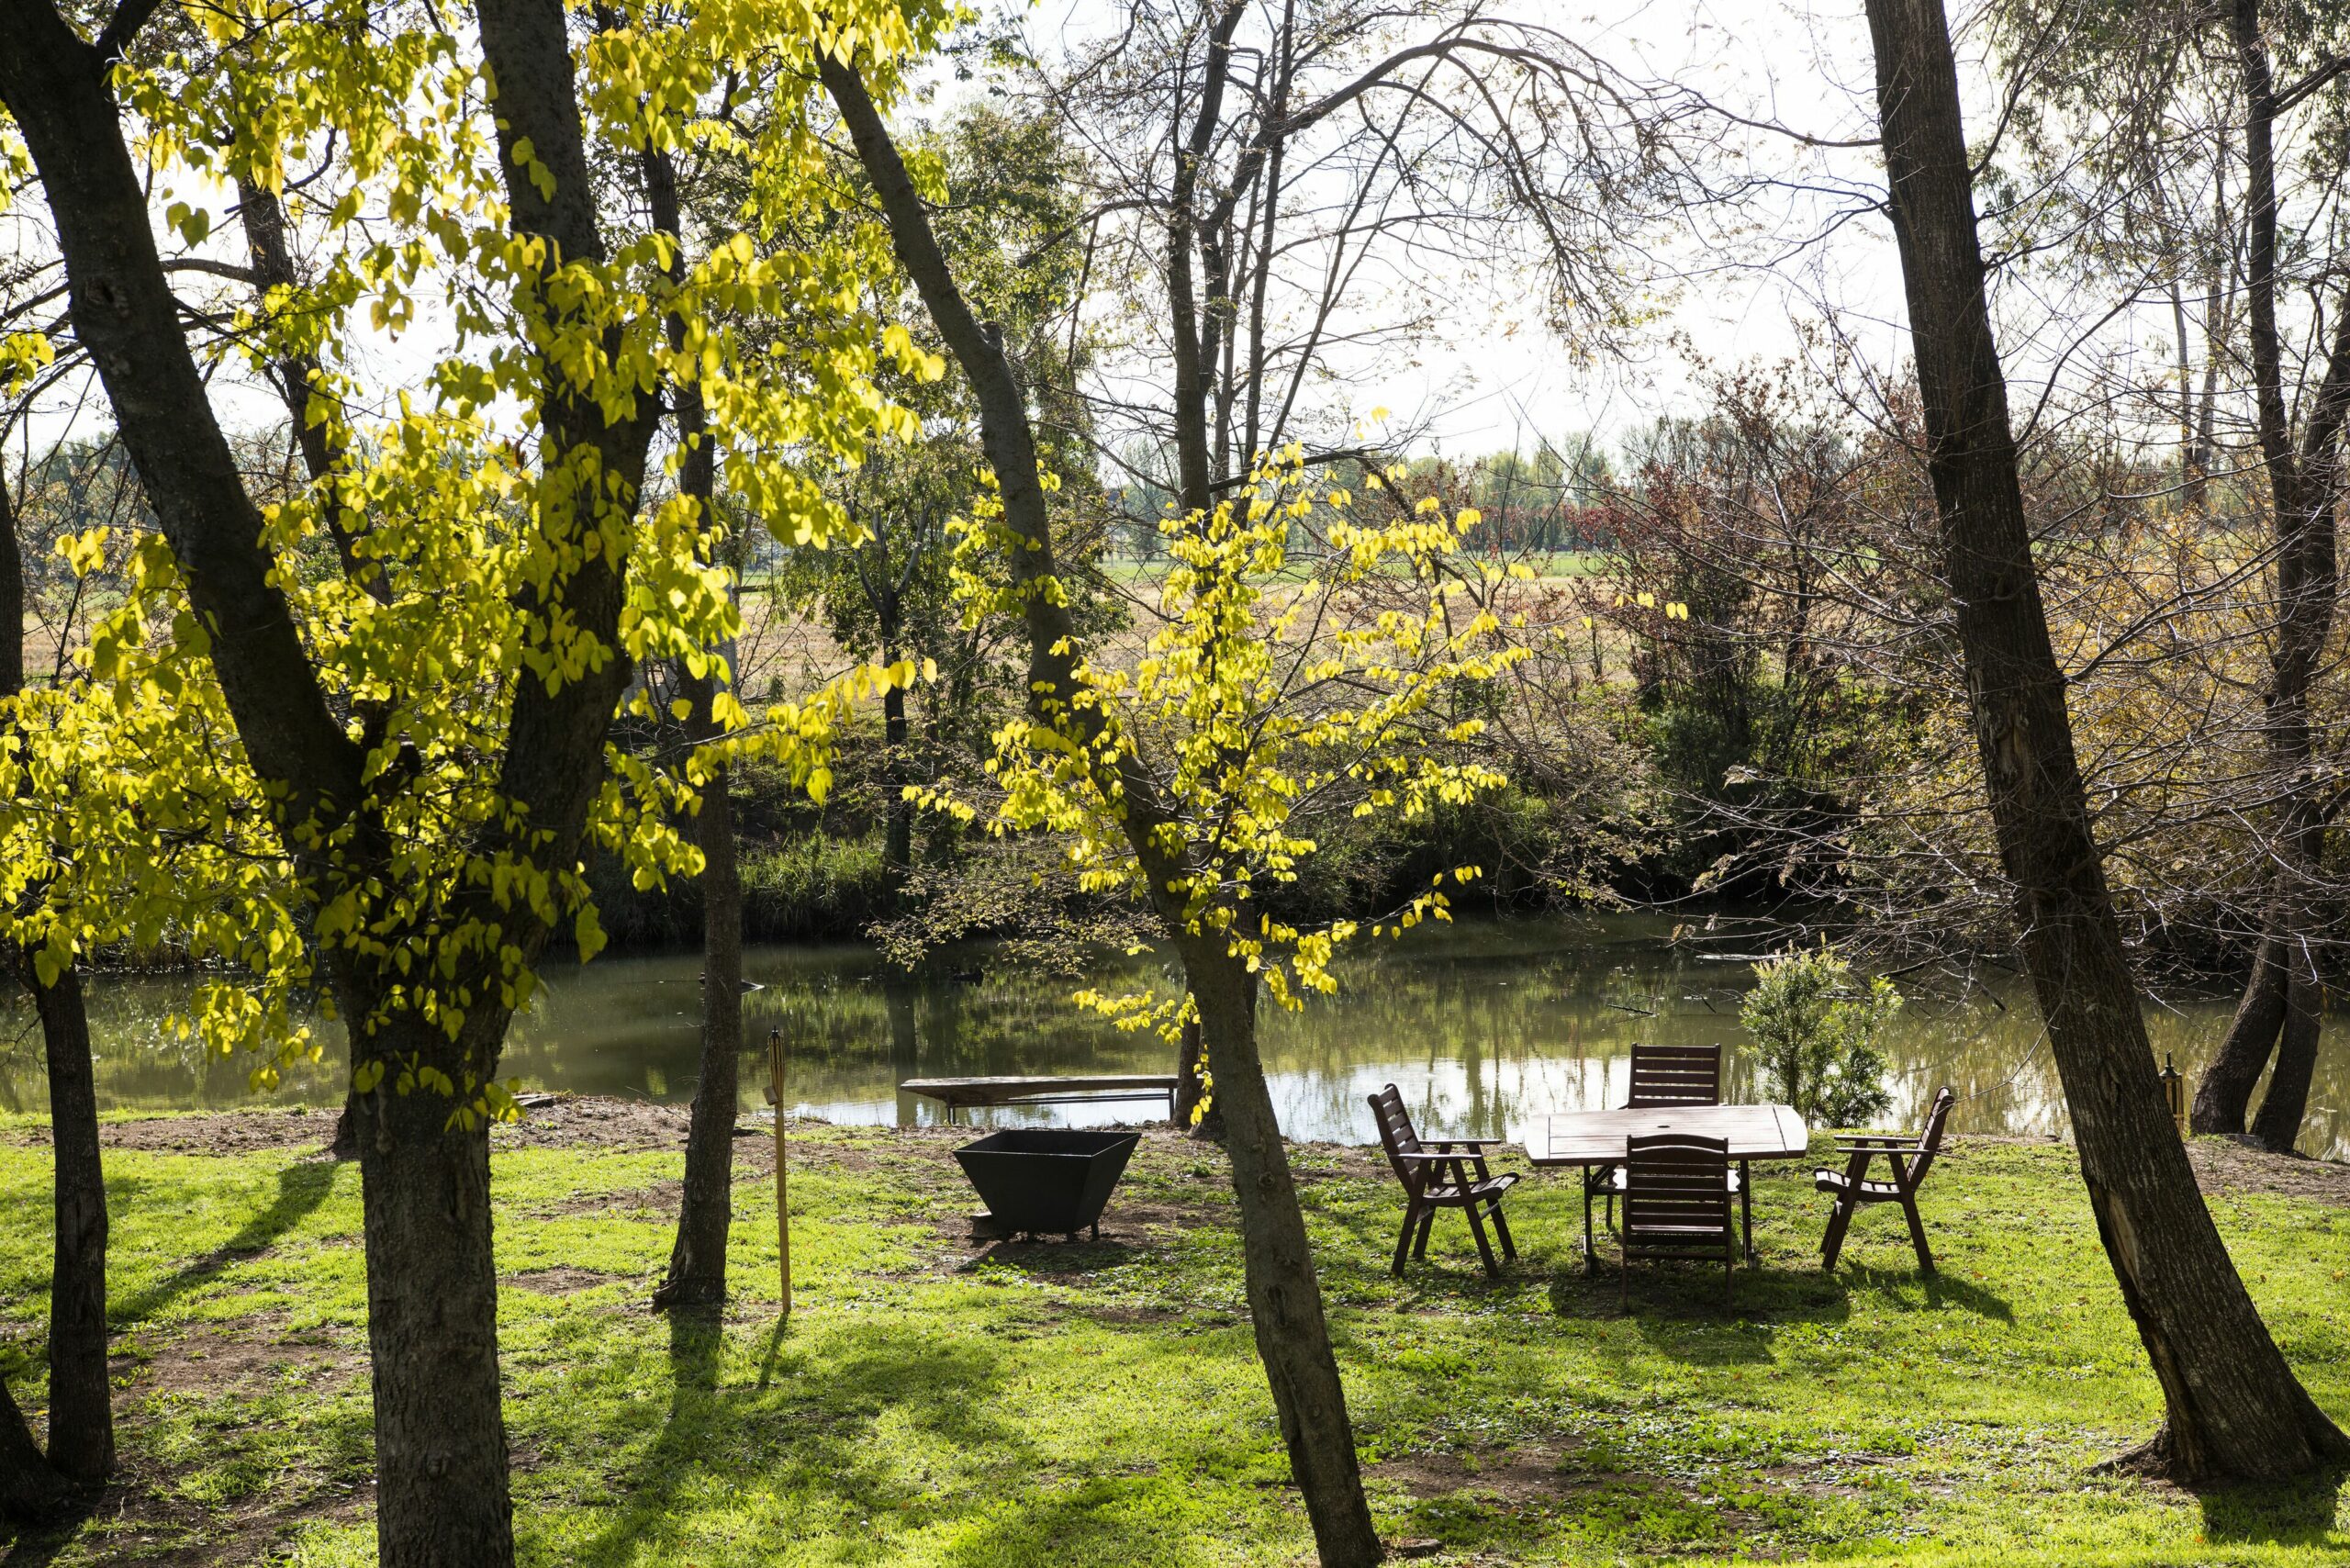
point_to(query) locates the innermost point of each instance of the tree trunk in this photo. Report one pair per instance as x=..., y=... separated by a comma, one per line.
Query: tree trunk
x=81, y=1412
x=697, y=1261
x=1192, y=1072
x=2225, y=1094
x=2303, y=486
x=898, y=845
x=2233, y=1408
x=1193, y=325
x=264, y=217
x=2287, y=1103
x=1284, y=1293
x=30, y=1493
x=441, y=1499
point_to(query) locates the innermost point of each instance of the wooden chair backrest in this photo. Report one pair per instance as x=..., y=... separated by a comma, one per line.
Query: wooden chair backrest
x=1930, y=1142
x=1396, y=1134
x=1679, y=1182
x=1677, y=1075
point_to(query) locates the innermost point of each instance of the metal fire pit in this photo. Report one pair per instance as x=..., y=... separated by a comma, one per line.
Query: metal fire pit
x=1046, y=1181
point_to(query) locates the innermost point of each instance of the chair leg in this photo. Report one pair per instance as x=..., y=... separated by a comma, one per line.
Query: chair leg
x=1501, y=1229
x=1427, y=1222
x=1484, y=1247
x=1403, y=1241
x=1590, y=1251
x=1918, y=1233
x=1838, y=1219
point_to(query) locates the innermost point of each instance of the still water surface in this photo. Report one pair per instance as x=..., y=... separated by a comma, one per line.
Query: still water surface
x=1484, y=1026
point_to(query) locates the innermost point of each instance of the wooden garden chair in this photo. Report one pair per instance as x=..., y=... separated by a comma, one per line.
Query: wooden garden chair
x=1661, y=1075
x=1909, y=1160
x=1676, y=1205
x=1444, y=1173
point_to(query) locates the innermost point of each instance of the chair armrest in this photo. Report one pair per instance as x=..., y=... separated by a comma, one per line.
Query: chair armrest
x=1853, y=1145
x=1438, y=1158
x=1464, y=1142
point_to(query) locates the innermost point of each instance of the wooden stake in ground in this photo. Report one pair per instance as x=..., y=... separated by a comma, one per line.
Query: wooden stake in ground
x=782, y=1193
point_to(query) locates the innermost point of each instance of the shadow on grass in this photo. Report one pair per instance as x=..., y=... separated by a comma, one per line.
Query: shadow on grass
x=803, y=1429
x=1943, y=1291
x=1051, y=1258
x=36, y=1546
x=301, y=1188
x=2300, y=1514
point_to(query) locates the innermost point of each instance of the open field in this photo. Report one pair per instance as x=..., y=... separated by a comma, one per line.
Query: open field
x=935, y=1400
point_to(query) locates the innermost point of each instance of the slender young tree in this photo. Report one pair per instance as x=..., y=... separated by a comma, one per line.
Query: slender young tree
x=1286, y=1297
x=697, y=1274
x=2232, y=1408
x=1184, y=780
x=81, y=1412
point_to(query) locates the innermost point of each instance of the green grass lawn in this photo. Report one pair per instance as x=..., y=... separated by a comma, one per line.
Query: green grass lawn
x=934, y=1402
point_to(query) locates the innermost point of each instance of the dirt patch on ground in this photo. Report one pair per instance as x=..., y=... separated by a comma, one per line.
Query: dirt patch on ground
x=662, y=1197
x=254, y=1355
x=217, y=1132
x=2224, y=1165
x=1515, y=1475
x=562, y=1280
x=573, y=1121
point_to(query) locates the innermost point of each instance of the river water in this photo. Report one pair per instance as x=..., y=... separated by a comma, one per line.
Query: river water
x=1485, y=1025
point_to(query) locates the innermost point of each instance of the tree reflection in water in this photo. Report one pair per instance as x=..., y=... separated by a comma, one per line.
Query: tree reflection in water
x=1484, y=1026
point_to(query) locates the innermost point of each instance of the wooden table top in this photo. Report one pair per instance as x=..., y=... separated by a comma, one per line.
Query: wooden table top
x=1598, y=1138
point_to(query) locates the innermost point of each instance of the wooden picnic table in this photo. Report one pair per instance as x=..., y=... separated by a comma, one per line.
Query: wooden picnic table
x=956, y=1094
x=1595, y=1139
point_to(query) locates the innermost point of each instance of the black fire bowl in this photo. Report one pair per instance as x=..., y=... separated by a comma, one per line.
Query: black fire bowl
x=1046, y=1181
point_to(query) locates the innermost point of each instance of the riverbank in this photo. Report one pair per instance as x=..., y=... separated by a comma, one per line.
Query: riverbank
x=1487, y=1023
x=935, y=1399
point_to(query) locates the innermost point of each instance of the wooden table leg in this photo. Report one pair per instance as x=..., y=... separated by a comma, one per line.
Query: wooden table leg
x=1746, y=1204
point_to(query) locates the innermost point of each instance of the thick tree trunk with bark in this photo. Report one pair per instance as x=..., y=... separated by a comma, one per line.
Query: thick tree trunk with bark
x=81, y=1410
x=2304, y=485
x=2223, y=1097
x=441, y=1460
x=2287, y=1103
x=2234, y=1407
x=439, y=1451
x=1194, y=1072
x=1283, y=1291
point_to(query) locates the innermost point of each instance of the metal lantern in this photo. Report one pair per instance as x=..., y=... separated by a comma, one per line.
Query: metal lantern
x=2175, y=1093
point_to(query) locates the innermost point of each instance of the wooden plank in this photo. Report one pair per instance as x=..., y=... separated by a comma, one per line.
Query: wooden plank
x=1598, y=1137
x=1020, y=1091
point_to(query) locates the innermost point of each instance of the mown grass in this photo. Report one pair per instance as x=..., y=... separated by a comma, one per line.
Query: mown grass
x=929, y=1402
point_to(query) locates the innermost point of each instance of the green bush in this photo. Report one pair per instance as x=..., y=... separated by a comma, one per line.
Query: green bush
x=1815, y=1030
